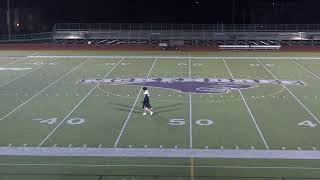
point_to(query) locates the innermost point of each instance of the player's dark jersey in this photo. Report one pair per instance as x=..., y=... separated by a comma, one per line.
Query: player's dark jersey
x=146, y=102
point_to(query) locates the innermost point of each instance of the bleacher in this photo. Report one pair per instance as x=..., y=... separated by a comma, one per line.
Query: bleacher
x=250, y=47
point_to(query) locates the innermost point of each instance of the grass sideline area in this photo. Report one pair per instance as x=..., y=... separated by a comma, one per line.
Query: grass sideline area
x=45, y=105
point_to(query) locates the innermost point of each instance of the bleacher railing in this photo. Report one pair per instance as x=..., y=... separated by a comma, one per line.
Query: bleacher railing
x=188, y=27
x=26, y=37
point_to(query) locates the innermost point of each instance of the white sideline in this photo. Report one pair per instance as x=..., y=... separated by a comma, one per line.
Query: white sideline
x=131, y=110
x=159, y=153
x=79, y=103
x=162, y=166
x=42, y=90
x=294, y=96
x=249, y=110
x=176, y=57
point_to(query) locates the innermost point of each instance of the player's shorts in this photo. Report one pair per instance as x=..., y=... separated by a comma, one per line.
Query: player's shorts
x=147, y=105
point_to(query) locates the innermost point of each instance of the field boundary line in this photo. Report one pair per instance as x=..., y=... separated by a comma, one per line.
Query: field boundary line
x=160, y=153
x=174, y=57
x=294, y=96
x=78, y=104
x=249, y=110
x=42, y=90
x=24, y=74
x=162, y=166
x=134, y=104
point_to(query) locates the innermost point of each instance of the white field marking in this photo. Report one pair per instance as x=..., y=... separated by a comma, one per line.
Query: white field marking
x=134, y=104
x=303, y=67
x=159, y=152
x=190, y=108
x=22, y=75
x=79, y=103
x=176, y=57
x=20, y=59
x=294, y=96
x=42, y=90
x=249, y=110
x=161, y=166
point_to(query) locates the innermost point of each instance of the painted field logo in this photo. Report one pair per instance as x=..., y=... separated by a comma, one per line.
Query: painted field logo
x=193, y=85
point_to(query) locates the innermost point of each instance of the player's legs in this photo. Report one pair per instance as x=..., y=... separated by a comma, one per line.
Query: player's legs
x=149, y=109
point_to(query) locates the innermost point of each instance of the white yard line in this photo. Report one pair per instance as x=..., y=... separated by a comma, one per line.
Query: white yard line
x=249, y=110
x=294, y=96
x=303, y=67
x=42, y=90
x=190, y=108
x=24, y=74
x=161, y=166
x=159, y=153
x=79, y=103
x=177, y=57
x=134, y=104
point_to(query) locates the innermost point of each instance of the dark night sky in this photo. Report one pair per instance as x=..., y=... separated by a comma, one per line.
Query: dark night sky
x=186, y=11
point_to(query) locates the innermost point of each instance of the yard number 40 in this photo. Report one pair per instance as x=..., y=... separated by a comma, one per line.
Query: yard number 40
x=50, y=121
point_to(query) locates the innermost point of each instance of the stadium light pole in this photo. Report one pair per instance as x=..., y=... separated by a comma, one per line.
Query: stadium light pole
x=8, y=19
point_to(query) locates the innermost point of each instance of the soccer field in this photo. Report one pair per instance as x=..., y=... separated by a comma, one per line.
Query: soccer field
x=69, y=116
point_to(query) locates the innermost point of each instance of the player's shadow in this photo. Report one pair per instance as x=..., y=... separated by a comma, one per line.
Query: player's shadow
x=138, y=109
